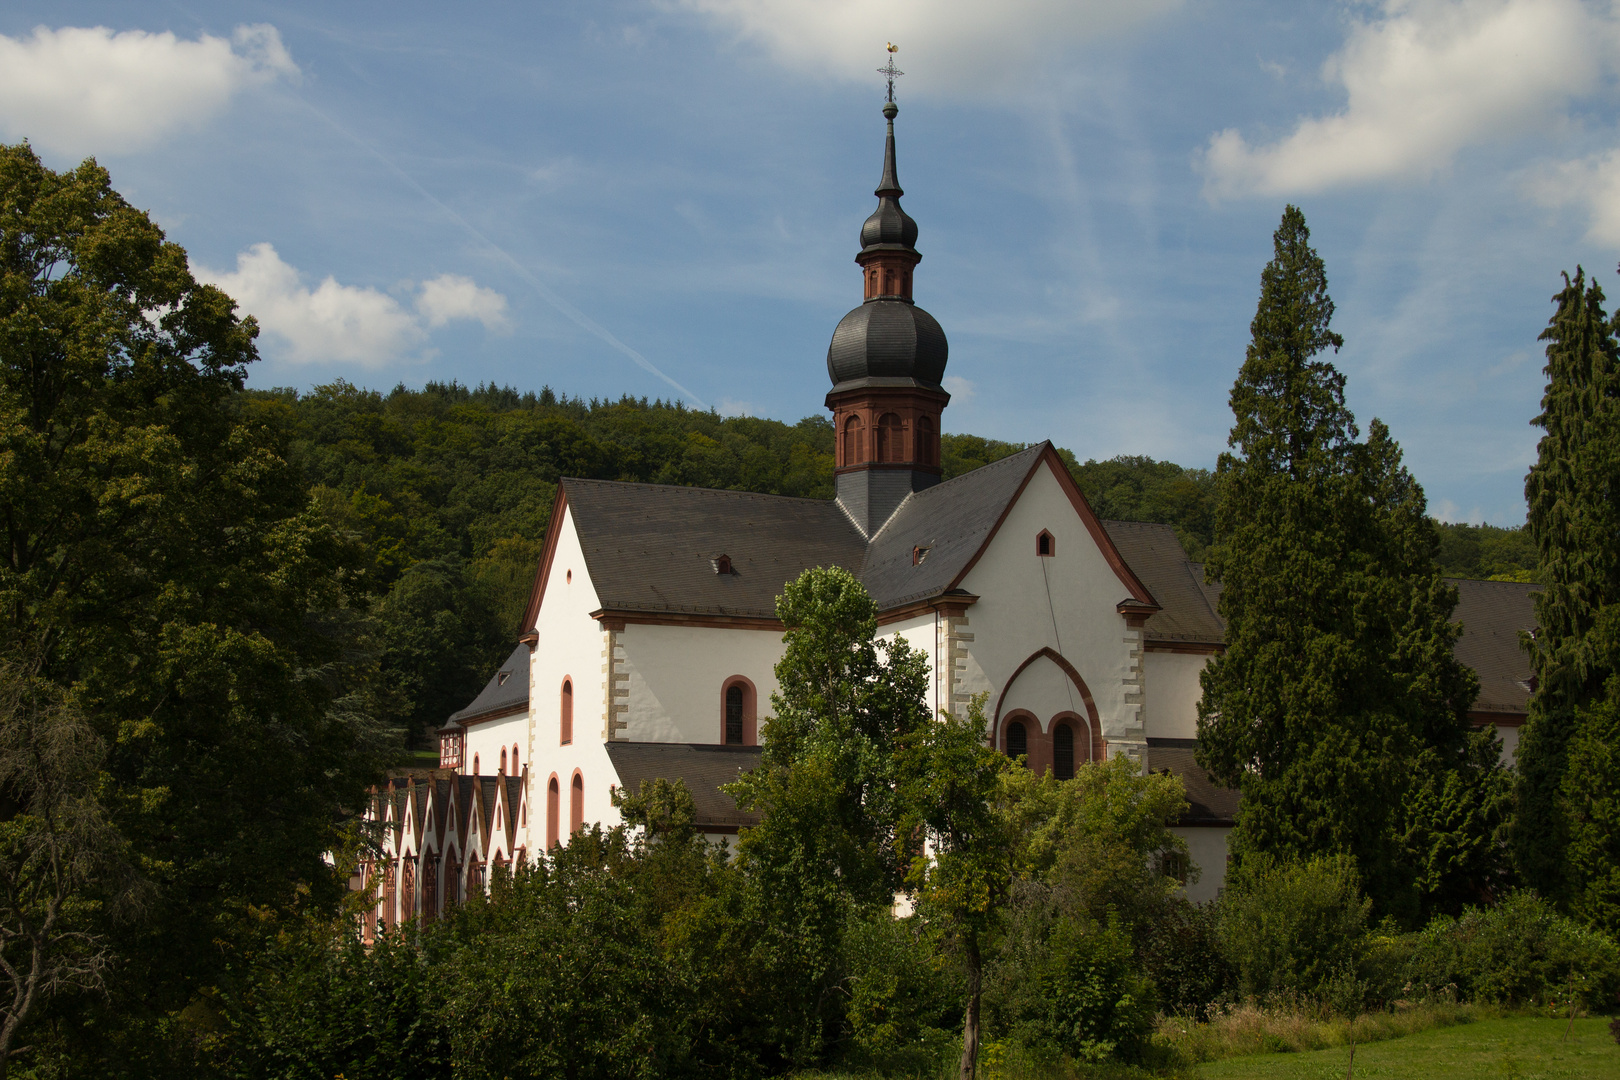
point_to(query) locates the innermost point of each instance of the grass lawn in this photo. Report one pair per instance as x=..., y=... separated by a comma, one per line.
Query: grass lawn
x=1519, y=1048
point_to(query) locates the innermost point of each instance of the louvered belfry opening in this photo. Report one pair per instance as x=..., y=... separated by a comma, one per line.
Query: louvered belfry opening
x=886, y=363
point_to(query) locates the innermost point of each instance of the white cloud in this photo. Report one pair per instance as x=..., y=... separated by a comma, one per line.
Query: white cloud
x=87, y=90
x=347, y=323
x=955, y=46
x=451, y=296
x=1592, y=183
x=1425, y=79
x=961, y=390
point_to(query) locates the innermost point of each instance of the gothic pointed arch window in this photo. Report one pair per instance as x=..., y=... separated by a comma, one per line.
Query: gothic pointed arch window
x=890, y=436
x=854, y=441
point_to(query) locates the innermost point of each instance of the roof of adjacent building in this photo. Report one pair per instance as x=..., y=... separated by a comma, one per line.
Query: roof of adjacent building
x=506, y=691
x=703, y=767
x=1493, y=613
x=1207, y=802
x=1187, y=605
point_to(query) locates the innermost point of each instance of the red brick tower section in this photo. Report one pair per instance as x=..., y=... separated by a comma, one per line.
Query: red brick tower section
x=886, y=362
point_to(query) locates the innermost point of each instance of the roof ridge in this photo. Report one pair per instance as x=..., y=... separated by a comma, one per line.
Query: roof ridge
x=696, y=490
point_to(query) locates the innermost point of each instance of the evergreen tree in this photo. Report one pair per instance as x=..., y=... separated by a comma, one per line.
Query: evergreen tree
x=1573, y=491
x=1337, y=706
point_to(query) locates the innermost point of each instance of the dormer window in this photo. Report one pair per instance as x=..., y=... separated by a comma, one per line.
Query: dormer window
x=501, y=677
x=919, y=553
x=722, y=564
x=1045, y=544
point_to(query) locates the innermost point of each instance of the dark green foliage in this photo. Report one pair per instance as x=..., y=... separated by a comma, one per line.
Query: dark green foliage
x=1141, y=489
x=1575, y=521
x=904, y=998
x=1181, y=952
x=1521, y=952
x=1486, y=552
x=1338, y=706
x=1293, y=930
x=1589, y=797
x=164, y=560
x=321, y=1003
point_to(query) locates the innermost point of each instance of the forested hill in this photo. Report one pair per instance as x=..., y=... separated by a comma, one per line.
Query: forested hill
x=449, y=488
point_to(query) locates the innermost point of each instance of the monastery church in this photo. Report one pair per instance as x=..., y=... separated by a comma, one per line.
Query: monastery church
x=650, y=638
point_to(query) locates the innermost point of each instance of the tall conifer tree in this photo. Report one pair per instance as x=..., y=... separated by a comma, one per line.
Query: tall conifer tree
x=1337, y=706
x=1573, y=491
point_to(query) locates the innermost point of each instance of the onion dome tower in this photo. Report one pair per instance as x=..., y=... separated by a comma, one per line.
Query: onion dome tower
x=886, y=361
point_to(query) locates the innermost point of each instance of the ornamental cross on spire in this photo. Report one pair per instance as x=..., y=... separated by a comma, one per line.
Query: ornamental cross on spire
x=891, y=72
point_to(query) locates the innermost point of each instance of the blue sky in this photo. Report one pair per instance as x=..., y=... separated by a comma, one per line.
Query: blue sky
x=662, y=197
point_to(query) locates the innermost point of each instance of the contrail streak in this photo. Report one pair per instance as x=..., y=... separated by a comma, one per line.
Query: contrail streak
x=578, y=317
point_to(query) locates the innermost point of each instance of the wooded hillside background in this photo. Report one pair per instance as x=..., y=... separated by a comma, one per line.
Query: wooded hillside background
x=450, y=490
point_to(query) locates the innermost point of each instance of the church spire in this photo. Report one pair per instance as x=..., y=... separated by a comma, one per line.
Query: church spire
x=886, y=362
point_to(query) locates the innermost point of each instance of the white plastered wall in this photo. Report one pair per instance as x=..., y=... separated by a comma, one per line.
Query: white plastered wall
x=921, y=632
x=1207, y=847
x=1066, y=602
x=487, y=737
x=569, y=644
x=1171, y=693
x=677, y=672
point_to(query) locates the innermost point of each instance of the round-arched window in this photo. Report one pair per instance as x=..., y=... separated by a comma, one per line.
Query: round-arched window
x=734, y=715
x=1063, y=751
x=1017, y=739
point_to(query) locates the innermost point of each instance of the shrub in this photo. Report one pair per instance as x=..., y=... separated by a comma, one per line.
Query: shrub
x=1181, y=953
x=903, y=1008
x=1295, y=930
x=1519, y=952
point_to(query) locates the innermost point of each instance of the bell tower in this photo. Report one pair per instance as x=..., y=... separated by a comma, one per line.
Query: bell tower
x=886, y=361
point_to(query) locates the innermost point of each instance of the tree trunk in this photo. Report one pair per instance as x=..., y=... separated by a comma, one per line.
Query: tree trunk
x=970, y=1025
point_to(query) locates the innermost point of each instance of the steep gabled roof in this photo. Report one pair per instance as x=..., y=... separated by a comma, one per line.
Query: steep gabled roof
x=651, y=548
x=954, y=520
x=703, y=767
x=507, y=691
x=1207, y=802
x=1492, y=614
x=1187, y=608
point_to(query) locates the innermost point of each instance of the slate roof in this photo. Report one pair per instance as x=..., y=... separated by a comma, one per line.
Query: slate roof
x=1208, y=803
x=507, y=689
x=1492, y=614
x=649, y=547
x=1187, y=605
x=704, y=767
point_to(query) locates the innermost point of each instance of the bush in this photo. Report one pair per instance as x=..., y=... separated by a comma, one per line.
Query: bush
x=1181, y=953
x=1296, y=931
x=1517, y=953
x=904, y=1009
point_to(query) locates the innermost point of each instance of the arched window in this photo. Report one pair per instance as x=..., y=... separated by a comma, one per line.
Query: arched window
x=1045, y=544
x=565, y=725
x=889, y=446
x=925, y=441
x=514, y=759
x=503, y=761
x=738, y=718
x=576, y=804
x=1063, y=750
x=1017, y=739
x=734, y=715
x=475, y=764
x=552, y=808
x=854, y=443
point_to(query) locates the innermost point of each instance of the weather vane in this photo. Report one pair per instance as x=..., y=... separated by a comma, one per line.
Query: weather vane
x=891, y=72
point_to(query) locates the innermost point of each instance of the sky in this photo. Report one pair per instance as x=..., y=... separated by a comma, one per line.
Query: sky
x=662, y=198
